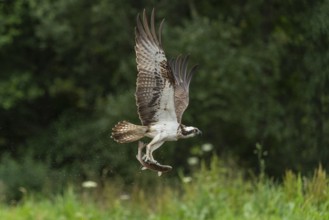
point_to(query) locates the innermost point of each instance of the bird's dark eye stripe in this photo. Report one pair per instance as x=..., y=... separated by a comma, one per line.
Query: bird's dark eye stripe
x=184, y=132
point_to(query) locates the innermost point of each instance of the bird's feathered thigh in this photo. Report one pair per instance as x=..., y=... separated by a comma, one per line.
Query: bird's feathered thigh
x=165, y=130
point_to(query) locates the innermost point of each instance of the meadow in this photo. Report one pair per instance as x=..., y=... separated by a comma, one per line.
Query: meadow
x=215, y=191
x=68, y=75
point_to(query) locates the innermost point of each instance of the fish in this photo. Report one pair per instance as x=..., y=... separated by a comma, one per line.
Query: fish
x=160, y=168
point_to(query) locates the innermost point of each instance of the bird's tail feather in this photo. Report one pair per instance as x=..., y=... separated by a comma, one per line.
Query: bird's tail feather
x=125, y=132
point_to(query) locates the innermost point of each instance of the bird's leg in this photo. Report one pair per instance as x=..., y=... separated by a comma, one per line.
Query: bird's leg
x=150, y=149
x=152, y=146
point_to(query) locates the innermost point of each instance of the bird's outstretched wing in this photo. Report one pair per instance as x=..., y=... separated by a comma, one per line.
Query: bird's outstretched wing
x=155, y=80
x=183, y=78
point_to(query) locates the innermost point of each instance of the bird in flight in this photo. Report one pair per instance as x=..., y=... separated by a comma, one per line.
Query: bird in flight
x=162, y=96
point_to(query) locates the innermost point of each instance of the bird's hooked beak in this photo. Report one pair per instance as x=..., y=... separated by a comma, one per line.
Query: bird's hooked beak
x=199, y=132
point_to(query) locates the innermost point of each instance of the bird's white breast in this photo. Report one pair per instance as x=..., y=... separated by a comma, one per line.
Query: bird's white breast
x=166, y=130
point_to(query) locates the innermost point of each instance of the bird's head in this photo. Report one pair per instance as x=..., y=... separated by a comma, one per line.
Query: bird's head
x=188, y=131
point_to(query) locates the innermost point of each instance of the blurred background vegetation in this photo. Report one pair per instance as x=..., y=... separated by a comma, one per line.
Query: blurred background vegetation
x=68, y=71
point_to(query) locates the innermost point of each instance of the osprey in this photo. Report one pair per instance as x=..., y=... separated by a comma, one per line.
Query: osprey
x=162, y=95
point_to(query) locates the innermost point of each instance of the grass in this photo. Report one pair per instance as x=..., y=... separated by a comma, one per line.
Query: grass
x=216, y=192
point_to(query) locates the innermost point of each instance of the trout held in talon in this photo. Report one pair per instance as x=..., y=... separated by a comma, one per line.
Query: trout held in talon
x=151, y=166
x=162, y=94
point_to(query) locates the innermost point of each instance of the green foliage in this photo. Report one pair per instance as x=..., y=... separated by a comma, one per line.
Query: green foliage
x=18, y=178
x=255, y=91
x=10, y=19
x=293, y=186
x=17, y=88
x=68, y=74
x=82, y=146
x=317, y=188
x=217, y=192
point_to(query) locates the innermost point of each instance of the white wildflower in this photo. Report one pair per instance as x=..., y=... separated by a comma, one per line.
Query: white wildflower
x=207, y=147
x=89, y=184
x=187, y=179
x=193, y=161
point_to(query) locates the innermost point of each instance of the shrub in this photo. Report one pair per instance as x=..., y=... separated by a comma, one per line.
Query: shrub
x=19, y=178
